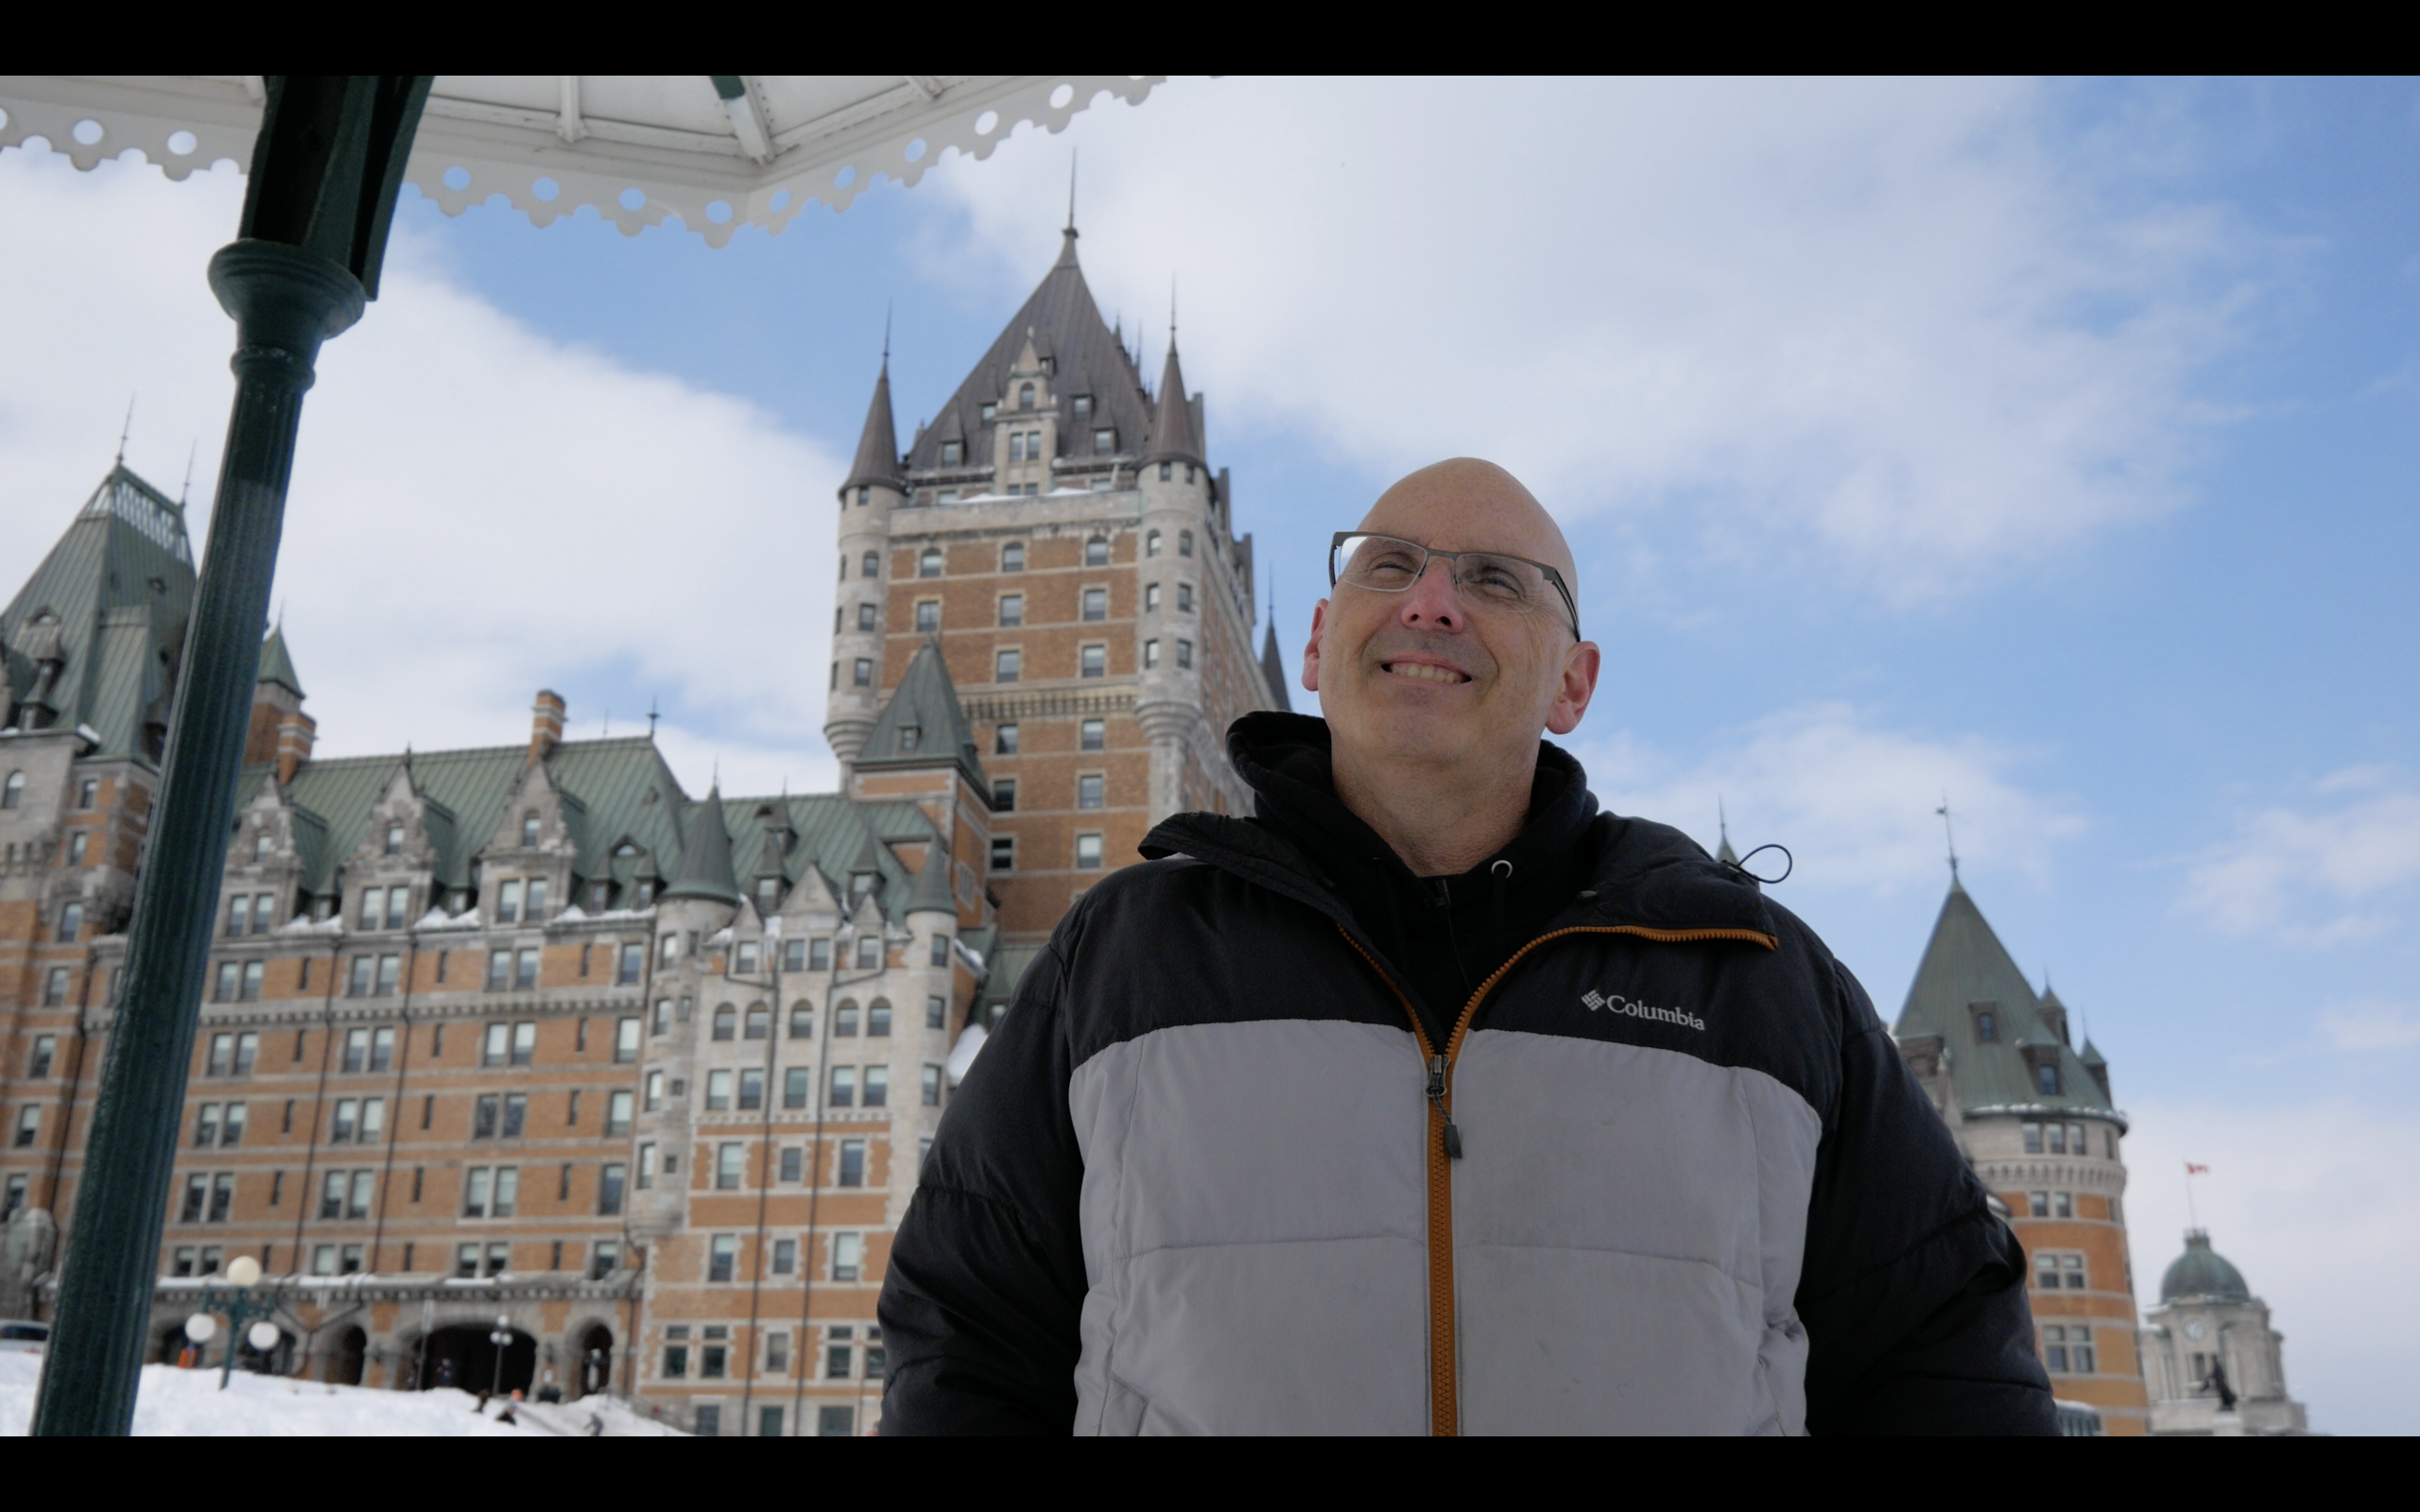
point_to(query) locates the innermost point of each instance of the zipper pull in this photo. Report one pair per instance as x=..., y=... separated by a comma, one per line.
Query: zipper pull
x=1437, y=1099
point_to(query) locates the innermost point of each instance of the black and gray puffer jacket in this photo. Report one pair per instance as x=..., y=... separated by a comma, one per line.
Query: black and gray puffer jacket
x=1245, y=1158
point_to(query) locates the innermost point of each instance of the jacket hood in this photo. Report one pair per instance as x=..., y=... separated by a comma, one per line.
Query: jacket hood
x=1642, y=874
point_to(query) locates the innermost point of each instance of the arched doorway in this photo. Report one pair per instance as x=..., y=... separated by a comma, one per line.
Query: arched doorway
x=594, y=1371
x=461, y=1356
x=346, y=1357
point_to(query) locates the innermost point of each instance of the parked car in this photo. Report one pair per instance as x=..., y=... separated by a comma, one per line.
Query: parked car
x=24, y=1338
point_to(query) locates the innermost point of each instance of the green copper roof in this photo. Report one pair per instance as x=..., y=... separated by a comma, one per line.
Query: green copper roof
x=1965, y=973
x=277, y=665
x=924, y=724
x=2201, y=1271
x=117, y=587
x=704, y=867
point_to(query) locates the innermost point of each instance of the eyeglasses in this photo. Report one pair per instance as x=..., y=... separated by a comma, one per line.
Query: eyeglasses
x=1384, y=564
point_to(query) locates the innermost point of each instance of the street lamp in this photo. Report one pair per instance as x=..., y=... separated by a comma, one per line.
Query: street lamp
x=243, y=1274
x=502, y=1336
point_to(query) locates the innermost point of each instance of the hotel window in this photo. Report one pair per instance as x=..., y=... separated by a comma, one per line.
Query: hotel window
x=932, y=1086
x=537, y=909
x=2037, y=1204
x=1011, y=610
x=1184, y=543
x=1087, y=852
x=516, y=1114
x=848, y=1255
x=475, y=1184
x=609, y=1184
x=483, y=1116
x=1017, y=446
x=731, y=1166
x=394, y=839
x=2045, y=1078
x=1013, y=557
x=2062, y=1204
x=1004, y=740
x=877, y=1025
x=869, y=953
x=722, y=1261
x=1167, y=471
x=676, y=1356
x=222, y=990
x=654, y=1090
x=2067, y=1348
x=1184, y=598
x=743, y=957
x=239, y=914
x=525, y=1034
x=1150, y=543
x=802, y=1021
x=2053, y=1272
x=929, y=615
x=30, y=1129
x=1082, y=406
x=507, y=903
x=88, y=793
x=796, y=1084
x=1987, y=1024
x=1093, y=660
x=870, y=565
x=1006, y=666
x=525, y=977
x=45, y=1049
x=928, y=562
x=382, y=1049
x=604, y=1258
x=358, y=982
x=341, y=1128
x=844, y=1020
x=717, y=1091
x=71, y=923
x=1024, y=396
x=2033, y=1139
x=1004, y=795
x=1097, y=552
x=1093, y=734
x=1096, y=604
x=936, y=1013
x=618, y=1111
x=752, y=1087
x=868, y=618
x=1004, y=852
x=1150, y=598
x=1151, y=654
x=75, y=845
x=391, y=971
x=1088, y=790
x=940, y=953
x=12, y=792
x=626, y=1040
x=877, y=1089
x=952, y=453
x=1184, y=653
x=844, y=1087
x=793, y=956
x=399, y=903
x=861, y=675
x=1104, y=442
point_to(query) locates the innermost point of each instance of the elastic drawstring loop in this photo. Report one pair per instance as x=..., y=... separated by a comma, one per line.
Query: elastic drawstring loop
x=1497, y=876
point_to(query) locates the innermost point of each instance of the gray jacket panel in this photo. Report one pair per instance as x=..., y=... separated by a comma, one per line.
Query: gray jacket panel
x=1628, y=1224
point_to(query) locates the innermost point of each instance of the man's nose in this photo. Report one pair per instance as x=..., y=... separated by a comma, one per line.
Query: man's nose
x=1432, y=602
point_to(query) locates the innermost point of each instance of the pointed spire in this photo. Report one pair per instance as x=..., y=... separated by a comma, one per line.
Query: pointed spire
x=877, y=460
x=1951, y=836
x=277, y=663
x=1722, y=822
x=928, y=889
x=125, y=432
x=1172, y=438
x=704, y=867
x=1272, y=668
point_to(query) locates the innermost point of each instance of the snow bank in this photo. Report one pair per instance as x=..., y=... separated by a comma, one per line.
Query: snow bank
x=188, y=1403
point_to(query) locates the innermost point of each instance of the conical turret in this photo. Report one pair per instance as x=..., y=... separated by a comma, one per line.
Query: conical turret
x=1173, y=435
x=877, y=461
x=704, y=869
x=1272, y=668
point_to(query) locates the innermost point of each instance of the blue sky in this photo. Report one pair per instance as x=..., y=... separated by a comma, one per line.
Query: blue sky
x=2047, y=444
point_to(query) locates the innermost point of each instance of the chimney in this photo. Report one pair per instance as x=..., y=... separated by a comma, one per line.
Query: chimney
x=545, y=724
x=294, y=734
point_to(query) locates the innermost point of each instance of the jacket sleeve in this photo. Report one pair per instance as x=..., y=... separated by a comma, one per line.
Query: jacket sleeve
x=1913, y=1291
x=986, y=1281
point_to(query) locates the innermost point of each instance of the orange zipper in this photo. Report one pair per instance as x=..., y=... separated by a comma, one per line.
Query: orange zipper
x=1445, y=1408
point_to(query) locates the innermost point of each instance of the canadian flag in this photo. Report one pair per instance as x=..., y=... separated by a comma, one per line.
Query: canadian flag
x=2191, y=1169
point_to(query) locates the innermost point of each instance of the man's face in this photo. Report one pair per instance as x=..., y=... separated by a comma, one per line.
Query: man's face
x=1428, y=676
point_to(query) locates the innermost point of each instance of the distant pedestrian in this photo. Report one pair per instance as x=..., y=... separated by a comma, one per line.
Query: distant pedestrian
x=547, y=1390
x=480, y=1406
x=507, y=1415
x=446, y=1371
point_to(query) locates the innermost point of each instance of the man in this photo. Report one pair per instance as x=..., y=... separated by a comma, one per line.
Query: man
x=1432, y=1100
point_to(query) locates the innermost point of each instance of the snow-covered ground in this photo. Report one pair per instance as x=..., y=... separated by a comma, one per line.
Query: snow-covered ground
x=174, y=1403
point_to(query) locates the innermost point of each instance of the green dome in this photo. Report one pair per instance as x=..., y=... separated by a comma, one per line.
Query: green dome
x=2201, y=1271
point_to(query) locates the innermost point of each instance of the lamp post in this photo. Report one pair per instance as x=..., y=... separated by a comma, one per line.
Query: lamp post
x=502, y=1336
x=243, y=1274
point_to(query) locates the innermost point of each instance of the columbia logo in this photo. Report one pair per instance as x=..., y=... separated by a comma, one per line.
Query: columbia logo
x=1616, y=1002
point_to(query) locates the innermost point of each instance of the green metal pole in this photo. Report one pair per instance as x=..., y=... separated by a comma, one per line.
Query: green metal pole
x=326, y=167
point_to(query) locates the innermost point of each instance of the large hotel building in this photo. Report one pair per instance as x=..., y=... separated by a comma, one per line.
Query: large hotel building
x=528, y=1032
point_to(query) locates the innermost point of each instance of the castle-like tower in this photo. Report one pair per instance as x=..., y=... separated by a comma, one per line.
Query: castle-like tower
x=1057, y=538
x=2035, y=1119
x=2216, y=1367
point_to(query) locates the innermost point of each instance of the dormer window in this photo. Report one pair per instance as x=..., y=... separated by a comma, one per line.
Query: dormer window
x=769, y=894
x=529, y=830
x=625, y=851
x=262, y=845
x=507, y=903
x=860, y=883
x=1084, y=406
x=394, y=839
x=1987, y=1023
x=646, y=897
x=989, y=411
x=910, y=736
x=1104, y=442
x=598, y=894
x=952, y=453
x=1024, y=396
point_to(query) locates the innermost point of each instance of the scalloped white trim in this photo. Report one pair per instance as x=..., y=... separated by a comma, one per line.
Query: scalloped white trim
x=512, y=153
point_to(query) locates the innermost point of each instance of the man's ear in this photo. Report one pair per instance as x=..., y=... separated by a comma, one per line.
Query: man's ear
x=1578, y=687
x=1311, y=650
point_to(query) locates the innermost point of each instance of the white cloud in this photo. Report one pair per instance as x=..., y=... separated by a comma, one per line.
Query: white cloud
x=2319, y=1206
x=477, y=510
x=1881, y=316
x=1853, y=801
x=2327, y=872
x=2368, y=1025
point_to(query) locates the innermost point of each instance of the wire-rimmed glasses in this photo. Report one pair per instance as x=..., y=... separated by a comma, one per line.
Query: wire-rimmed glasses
x=1389, y=564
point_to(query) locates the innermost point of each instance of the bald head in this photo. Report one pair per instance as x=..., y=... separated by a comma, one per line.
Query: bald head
x=1464, y=503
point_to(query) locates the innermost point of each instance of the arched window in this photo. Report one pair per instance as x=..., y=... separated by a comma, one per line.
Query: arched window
x=1150, y=543
x=12, y=792
x=1013, y=557
x=71, y=923
x=870, y=565
x=1024, y=396
x=760, y=1021
x=726, y=1021
x=1097, y=552
x=879, y=1017
x=844, y=1020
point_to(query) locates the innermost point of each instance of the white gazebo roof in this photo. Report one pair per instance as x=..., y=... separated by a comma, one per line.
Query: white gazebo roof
x=719, y=152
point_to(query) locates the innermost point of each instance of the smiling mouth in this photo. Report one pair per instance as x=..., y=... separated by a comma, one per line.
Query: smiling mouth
x=1422, y=672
